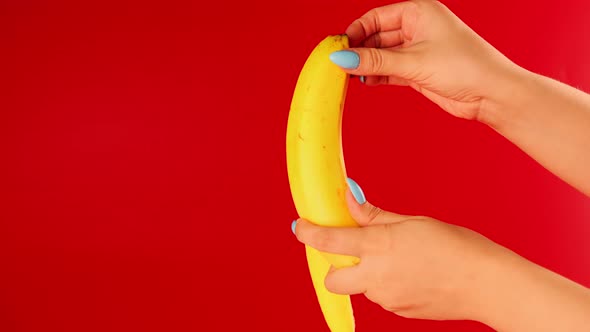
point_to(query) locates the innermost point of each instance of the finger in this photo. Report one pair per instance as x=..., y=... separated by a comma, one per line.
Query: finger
x=346, y=281
x=375, y=20
x=402, y=63
x=385, y=80
x=365, y=213
x=352, y=241
x=384, y=39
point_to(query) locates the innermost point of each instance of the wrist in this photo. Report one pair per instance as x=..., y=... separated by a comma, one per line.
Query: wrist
x=522, y=296
x=492, y=294
x=508, y=95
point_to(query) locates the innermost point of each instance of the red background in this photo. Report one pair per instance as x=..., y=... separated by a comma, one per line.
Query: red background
x=143, y=175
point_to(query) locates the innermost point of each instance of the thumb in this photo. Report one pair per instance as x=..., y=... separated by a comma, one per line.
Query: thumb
x=375, y=61
x=365, y=213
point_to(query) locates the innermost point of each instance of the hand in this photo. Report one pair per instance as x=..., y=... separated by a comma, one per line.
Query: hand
x=414, y=266
x=421, y=43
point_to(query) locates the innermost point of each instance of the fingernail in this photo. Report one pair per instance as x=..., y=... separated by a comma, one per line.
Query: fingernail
x=293, y=224
x=356, y=191
x=345, y=59
x=362, y=78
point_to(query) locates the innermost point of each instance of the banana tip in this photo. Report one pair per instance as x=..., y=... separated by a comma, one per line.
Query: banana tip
x=341, y=36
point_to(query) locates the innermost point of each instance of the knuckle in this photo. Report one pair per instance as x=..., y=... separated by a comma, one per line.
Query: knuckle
x=376, y=60
x=391, y=295
x=388, y=306
x=395, y=304
x=373, y=16
x=378, y=40
x=390, y=303
x=321, y=240
x=330, y=284
x=364, y=25
x=408, y=63
x=370, y=14
x=390, y=239
x=405, y=313
x=375, y=41
x=373, y=213
x=372, y=296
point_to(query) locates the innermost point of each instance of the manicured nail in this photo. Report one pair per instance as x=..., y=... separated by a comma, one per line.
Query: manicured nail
x=362, y=78
x=345, y=59
x=356, y=191
x=293, y=224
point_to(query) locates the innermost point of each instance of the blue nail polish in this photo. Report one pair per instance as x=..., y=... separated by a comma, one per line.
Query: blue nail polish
x=346, y=59
x=362, y=78
x=356, y=190
x=293, y=224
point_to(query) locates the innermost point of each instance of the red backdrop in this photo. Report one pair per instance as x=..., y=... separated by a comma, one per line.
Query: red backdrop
x=143, y=175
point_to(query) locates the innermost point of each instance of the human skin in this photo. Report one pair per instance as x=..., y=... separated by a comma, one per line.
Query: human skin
x=422, y=44
x=420, y=267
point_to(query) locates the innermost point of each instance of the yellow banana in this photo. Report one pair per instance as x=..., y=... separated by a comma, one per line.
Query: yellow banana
x=337, y=309
x=316, y=169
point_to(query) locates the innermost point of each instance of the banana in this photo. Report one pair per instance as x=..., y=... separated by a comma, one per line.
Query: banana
x=337, y=309
x=316, y=169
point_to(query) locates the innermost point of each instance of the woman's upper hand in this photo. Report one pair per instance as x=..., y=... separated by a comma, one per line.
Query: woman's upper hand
x=421, y=43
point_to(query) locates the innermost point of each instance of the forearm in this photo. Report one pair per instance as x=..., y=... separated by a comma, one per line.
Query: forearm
x=526, y=297
x=548, y=120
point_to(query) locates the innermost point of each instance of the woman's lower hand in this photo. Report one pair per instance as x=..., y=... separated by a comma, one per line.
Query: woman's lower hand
x=414, y=266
